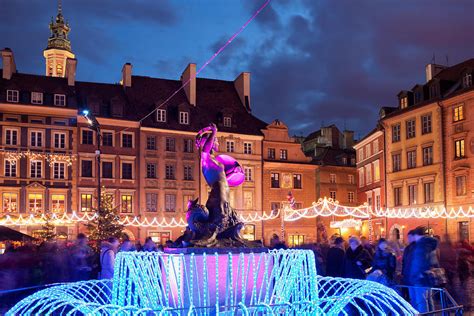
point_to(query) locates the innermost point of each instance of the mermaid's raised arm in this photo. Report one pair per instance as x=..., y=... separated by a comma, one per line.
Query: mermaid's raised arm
x=206, y=143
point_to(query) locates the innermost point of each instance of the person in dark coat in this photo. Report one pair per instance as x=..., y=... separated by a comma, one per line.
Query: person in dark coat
x=424, y=257
x=406, y=259
x=335, y=259
x=357, y=260
x=385, y=261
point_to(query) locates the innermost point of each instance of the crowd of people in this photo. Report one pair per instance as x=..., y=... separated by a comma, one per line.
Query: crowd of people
x=61, y=261
x=423, y=263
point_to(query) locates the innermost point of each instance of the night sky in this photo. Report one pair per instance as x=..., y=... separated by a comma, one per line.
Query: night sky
x=312, y=62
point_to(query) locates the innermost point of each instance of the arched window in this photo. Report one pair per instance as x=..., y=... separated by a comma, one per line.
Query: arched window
x=59, y=70
x=249, y=232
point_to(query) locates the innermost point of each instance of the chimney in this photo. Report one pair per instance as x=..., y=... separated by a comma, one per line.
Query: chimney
x=9, y=66
x=190, y=74
x=432, y=70
x=71, y=64
x=242, y=85
x=348, y=139
x=127, y=75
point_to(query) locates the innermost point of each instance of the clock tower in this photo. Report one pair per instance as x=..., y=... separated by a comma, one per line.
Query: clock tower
x=59, y=46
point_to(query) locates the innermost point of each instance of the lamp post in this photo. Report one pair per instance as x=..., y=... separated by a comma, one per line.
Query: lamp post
x=95, y=126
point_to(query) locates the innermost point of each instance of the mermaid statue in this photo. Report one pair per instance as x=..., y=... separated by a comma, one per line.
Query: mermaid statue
x=216, y=224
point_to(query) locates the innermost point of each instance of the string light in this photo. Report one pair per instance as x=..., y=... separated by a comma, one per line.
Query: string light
x=51, y=158
x=278, y=282
x=346, y=223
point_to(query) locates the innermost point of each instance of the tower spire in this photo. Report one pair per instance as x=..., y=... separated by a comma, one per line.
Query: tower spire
x=59, y=45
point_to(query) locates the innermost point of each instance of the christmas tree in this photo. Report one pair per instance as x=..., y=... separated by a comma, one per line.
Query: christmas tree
x=107, y=222
x=47, y=230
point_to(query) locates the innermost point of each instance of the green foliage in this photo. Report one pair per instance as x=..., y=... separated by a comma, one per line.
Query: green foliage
x=106, y=224
x=47, y=229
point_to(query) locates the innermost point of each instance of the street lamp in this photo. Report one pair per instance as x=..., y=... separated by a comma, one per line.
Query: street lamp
x=95, y=126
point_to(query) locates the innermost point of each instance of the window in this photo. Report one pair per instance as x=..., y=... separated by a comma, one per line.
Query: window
x=59, y=140
x=227, y=121
x=467, y=80
x=36, y=98
x=127, y=205
x=271, y=153
x=151, y=170
x=127, y=170
x=397, y=196
x=361, y=154
x=248, y=200
x=396, y=163
x=459, y=149
x=11, y=137
x=367, y=150
x=107, y=139
x=376, y=166
x=247, y=148
x=127, y=140
x=428, y=189
x=350, y=197
x=107, y=169
x=368, y=174
x=248, y=173
x=426, y=124
x=36, y=169
x=361, y=177
x=458, y=113
x=86, y=202
x=275, y=206
x=377, y=202
x=87, y=137
x=35, y=202
x=332, y=178
x=297, y=181
x=403, y=102
x=86, y=168
x=170, y=144
x=427, y=156
x=161, y=115
x=396, y=133
x=10, y=202
x=36, y=139
x=188, y=145
x=151, y=143
x=332, y=195
x=59, y=170
x=248, y=232
x=350, y=178
x=376, y=146
x=10, y=168
x=170, y=202
x=169, y=172
x=59, y=99
x=184, y=118
x=411, y=159
x=58, y=203
x=151, y=202
x=230, y=146
x=412, y=194
x=295, y=240
x=12, y=96
x=283, y=154
x=188, y=173
x=410, y=126
x=461, y=185
x=275, y=180
x=187, y=198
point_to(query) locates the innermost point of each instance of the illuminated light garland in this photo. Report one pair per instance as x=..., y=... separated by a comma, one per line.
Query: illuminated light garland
x=279, y=282
x=425, y=212
x=51, y=158
x=346, y=223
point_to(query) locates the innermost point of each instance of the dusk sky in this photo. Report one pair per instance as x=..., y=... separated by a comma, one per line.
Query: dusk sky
x=312, y=62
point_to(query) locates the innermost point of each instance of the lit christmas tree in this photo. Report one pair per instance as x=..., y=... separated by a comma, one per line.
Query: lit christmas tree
x=47, y=230
x=106, y=224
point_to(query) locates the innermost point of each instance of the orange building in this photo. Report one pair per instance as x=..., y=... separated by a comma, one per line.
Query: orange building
x=286, y=169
